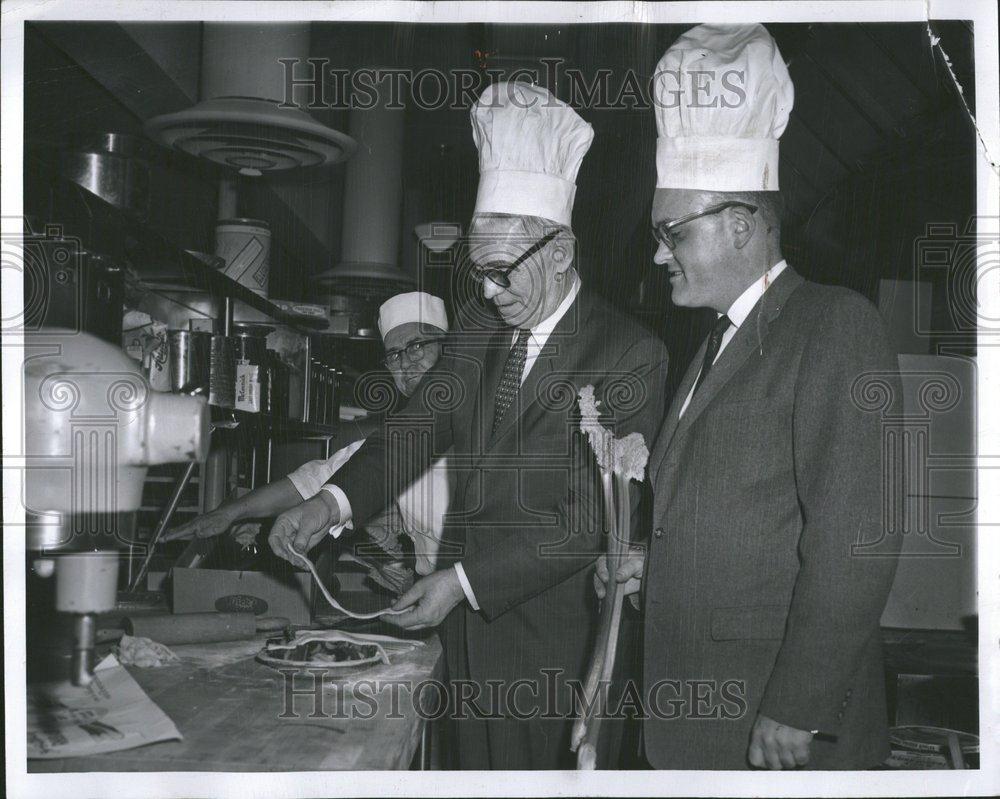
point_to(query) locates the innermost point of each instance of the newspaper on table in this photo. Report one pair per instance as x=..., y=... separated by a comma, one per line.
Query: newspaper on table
x=110, y=714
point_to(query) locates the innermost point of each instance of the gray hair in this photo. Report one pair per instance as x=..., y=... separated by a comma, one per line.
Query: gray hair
x=535, y=227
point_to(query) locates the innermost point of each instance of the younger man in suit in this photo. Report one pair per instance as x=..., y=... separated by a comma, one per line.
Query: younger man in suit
x=762, y=584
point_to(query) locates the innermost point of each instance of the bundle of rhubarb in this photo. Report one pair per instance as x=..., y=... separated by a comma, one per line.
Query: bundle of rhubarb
x=620, y=461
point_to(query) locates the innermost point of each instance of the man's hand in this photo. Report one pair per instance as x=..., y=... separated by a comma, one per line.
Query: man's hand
x=429, y=601
x=630, y=573
x=214, y=523
x=776, y=746
x=299, y=529
x=245, y=533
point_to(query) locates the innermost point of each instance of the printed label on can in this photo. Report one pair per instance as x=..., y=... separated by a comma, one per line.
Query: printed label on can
x=247, y=387
x=159, y=360
x=241, y=603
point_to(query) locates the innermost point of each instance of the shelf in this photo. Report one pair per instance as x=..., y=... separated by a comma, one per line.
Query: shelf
x=306, y=428
x=192, y=273
x=281, y=426
x=154, y=258
x=346, y=337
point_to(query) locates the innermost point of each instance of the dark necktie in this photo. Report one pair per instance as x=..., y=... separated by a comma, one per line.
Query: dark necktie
x=510, y=382
x=714, y=342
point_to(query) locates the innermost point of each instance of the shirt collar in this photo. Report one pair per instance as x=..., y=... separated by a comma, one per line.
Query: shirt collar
x=547, y=325
x=740, y=310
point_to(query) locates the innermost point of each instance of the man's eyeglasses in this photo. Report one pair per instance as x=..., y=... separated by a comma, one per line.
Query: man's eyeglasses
x=663, y=232
x=414, y=351
x=500, y=274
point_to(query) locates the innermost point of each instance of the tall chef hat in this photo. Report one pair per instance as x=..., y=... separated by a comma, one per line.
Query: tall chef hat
x=413, y=306
x=724, y=135
x=530, y=146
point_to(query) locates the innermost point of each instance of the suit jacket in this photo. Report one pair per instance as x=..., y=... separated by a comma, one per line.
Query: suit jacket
x=767, y=573
x=526, y=516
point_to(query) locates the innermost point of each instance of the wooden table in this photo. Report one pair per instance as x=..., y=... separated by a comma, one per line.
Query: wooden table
x=232, y=713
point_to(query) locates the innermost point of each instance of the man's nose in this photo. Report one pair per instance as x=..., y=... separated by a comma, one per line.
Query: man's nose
x=490, y=289
x=663, y=254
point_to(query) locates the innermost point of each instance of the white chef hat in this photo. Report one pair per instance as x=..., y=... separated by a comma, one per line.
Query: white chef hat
x=531, y=146
x=724, y=135
x=413, y=306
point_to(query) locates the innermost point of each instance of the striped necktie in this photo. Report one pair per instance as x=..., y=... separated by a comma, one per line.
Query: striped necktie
x=510, y=382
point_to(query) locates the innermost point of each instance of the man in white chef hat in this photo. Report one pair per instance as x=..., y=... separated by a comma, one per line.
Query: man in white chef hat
x=526, y=518
x=761, y=606
x=413, y=325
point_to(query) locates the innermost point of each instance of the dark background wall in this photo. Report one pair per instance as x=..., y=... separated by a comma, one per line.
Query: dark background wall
x=879, y=146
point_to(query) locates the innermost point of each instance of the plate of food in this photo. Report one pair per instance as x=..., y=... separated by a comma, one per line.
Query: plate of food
x=333, y=649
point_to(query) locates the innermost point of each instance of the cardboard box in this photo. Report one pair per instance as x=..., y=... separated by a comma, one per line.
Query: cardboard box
x=202, y=590
x=156, y=581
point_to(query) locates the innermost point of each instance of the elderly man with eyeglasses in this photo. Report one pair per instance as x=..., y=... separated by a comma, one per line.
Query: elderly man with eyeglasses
x=413, y=325
x=769, y=567
x=512, y=593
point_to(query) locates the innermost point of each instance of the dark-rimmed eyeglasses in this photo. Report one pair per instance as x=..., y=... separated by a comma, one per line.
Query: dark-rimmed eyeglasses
x=663, y=232
x=414, y=351
x=500, y=274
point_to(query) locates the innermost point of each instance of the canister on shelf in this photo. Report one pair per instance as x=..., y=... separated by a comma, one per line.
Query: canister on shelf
x=190, y=361
x=157, y=359
x=273, y=400
x=333, y=396
x=251, y=374
x=245, y=246
x=267, y=388
x=315, y=391
x=222, y=379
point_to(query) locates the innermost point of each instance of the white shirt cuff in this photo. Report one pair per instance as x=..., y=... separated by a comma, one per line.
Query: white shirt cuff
x=344, y=505
x=309, y=478
x=466, y=586
x=300, y=481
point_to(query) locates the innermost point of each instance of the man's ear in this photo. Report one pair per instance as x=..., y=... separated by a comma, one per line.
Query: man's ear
x=563, y=251
x=743, y=226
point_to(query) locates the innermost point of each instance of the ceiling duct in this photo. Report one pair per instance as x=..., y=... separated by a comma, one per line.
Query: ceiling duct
x=238, y=122
x=373, y=195
x=445, y=230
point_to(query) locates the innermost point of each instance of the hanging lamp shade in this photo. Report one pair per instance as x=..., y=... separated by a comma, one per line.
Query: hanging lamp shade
x=438, y=236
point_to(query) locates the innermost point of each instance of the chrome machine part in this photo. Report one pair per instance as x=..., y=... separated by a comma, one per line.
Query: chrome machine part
x=92, y=428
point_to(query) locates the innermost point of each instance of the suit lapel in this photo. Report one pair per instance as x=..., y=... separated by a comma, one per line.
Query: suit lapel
x=746, y=339
x=673, y=415
x=493, y=362
x=749, y=337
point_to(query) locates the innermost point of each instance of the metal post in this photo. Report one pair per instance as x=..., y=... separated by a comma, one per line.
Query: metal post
x=168, y=513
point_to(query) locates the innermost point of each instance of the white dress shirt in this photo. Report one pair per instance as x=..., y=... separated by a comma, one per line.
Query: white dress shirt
x=422, y=504
x=536, y=342
x=540, y=333
x=738, y=313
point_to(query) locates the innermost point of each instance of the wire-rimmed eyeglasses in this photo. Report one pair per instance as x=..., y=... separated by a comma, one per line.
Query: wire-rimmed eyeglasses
x=414, y=351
